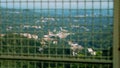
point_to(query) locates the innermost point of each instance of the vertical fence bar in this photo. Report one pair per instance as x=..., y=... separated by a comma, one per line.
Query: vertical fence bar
x=116, y=45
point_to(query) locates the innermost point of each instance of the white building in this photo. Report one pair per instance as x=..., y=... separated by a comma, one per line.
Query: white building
x=91, y=51
x=62, y=35
x=29, y=35
x=1, y=35
x=47, y=38
x=55, y=42
x=75, y=48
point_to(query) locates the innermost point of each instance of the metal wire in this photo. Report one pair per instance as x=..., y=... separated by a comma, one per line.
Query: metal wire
x=34, y=33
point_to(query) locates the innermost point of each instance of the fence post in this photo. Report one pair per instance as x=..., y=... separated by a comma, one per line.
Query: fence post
x=116, y=35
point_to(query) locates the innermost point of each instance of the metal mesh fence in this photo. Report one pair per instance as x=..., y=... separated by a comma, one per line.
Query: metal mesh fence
x=56, y=30
x=42, y=64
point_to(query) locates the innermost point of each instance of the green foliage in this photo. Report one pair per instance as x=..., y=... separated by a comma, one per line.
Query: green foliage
x=17, y=44
x=98, y=53
x=15, y=39
x=80, y=55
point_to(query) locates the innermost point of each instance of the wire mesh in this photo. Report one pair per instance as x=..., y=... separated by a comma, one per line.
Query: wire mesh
x=74, y=29
x=43, y=64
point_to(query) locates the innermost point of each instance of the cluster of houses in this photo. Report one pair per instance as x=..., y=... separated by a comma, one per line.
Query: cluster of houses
x=75, y=47
x=25, y=26
x=61, y=34
x=51, y=37
x=28, y=26
x=43, y=20
x=29, y=35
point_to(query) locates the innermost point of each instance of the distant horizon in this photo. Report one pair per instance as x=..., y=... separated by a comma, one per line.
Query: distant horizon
x=55, y=5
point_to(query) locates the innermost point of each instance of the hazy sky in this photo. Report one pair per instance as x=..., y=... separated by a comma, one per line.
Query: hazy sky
x=45, y=4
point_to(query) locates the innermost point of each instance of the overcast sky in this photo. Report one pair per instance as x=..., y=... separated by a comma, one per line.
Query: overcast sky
x=45, y=4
